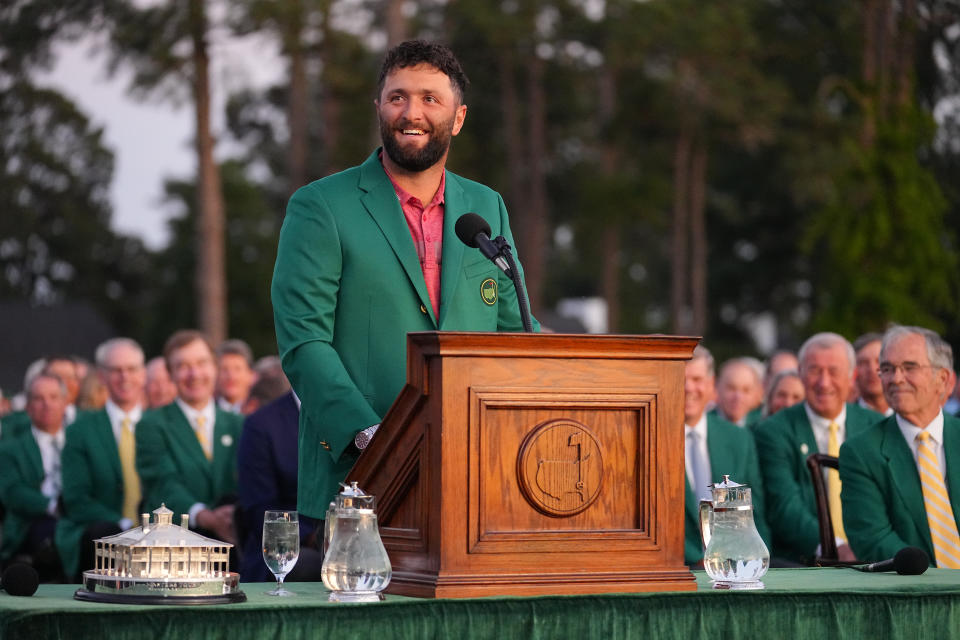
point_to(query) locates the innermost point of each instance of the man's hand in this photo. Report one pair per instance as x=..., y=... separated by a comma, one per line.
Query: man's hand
x=218, y=521
x=845, y=553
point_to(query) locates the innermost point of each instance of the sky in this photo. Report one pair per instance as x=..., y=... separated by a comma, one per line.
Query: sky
x=153, y=140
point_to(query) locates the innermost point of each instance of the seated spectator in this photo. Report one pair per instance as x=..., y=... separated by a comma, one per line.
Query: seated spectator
x=867, y=381
x=101, y=493
x=786, y=390
x=738, y=392
x=159, y=388
x=30, y=481
x=65, y=368
x=896, y=475
x=264, y=391
x=93, y=393
x=235, y=375
x=186, y=451
x=267, y=462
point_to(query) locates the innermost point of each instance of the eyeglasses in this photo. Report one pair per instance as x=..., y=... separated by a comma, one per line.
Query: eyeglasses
x=909, y=369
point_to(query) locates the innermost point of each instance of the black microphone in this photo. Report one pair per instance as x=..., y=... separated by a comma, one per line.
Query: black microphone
x=909, y=561
x=20, y=579
x=474, y=232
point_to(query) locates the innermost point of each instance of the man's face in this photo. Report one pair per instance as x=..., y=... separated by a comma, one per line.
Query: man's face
x=868, y=361
x=915, y=395
x=46, y=404
x=124, y=375
x=788, y=392
x=698, y=390
x=194, y=373
x=66, y=370
x=234, y=377
x=160, y=389
x=827, y=379
x=419, y=114
x=737, y=391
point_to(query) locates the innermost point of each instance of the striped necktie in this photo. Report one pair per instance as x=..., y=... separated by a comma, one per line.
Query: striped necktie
x=833, y=484
x=131, y=481
x=202, y=437
x=943, y=526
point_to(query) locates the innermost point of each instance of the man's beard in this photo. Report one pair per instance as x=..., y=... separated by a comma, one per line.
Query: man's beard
x=416, y=160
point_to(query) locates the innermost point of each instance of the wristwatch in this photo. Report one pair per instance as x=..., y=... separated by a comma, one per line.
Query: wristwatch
x=362, y=440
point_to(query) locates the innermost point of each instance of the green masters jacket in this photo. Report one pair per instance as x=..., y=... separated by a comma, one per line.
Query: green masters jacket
x=732, y=452
x=21, y=474
x=13, y=425
x=172, y=466
x=348, y=287
x=92, y=484
x=784, y=440
x=883, y=507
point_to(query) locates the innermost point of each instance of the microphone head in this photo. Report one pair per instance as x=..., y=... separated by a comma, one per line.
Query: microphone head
x=468, y=226
x=911, y=561
x=20, y=579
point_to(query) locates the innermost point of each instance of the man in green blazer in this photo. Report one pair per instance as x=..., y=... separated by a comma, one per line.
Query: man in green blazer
x=30, y=480
x=357, y=267
x=187, y=450
x=884, y=500
x=101, y=488
x=786, y=439
x=726, y=449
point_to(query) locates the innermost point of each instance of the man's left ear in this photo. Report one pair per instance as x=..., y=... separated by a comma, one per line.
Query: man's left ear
x=458, y=118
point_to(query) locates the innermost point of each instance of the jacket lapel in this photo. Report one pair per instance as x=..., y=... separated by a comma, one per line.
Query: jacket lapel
x=721, y=462
x=902, y=466
x=690, y=503
x=222, y=448
x=108, y=445
x=951, y=449
x=455, y=205
x=33, y=458
x=182, y=431
x=380, y=201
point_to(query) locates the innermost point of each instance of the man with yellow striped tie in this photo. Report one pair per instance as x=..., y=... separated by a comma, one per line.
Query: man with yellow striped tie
x=101, y=488
x=901, y=479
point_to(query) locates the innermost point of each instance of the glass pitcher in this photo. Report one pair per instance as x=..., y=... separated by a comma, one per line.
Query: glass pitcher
x=356, y=567
x=735, y=556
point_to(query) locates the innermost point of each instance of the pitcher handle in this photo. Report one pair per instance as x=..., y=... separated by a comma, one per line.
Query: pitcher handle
x=706, y=521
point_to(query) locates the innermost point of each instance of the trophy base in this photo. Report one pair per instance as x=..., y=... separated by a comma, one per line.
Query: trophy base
x=738, y=586
x=355, y=596
x=98, y=587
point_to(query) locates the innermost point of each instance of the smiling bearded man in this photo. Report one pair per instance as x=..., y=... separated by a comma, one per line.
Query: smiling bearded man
x=360, y=261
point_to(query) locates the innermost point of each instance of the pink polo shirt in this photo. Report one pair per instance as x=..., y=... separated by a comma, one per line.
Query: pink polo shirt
x=426, y=228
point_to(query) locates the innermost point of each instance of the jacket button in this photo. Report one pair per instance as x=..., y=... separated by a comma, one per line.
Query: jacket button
x=325, y=445
x=423, y=309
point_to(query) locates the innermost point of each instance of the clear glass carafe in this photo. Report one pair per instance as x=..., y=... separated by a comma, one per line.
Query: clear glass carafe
x=356, y=567
x=735, y=556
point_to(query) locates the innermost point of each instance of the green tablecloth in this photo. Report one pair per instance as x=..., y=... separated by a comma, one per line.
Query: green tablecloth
x=798, y=603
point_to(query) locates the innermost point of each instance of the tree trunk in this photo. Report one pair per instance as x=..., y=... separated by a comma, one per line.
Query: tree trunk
x=609, y=163
x=330, y=105
x=297, y=107
x=871, y=35
x=906, y=53
x=679, y=256
x=698, y=237
x=211, y=282
x=396, y=22
x=536, y=213
x=516, y=167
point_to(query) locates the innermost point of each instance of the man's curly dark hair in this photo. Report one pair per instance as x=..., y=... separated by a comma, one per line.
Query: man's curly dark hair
x=414, y=52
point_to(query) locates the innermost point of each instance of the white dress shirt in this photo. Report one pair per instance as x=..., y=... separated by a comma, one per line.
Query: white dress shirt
x=50, y=445
x=821, y=427
x=701, y=431
x=935, y=429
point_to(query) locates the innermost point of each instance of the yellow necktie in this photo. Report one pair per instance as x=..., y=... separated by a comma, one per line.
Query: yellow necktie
x=943, y=526
x=833, y=485
x=131, y=481
x=202, y=437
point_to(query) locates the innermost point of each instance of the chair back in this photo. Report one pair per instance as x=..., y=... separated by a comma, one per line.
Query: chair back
x=828, y=543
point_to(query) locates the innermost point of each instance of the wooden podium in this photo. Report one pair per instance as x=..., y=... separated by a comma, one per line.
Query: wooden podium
x=526, y=464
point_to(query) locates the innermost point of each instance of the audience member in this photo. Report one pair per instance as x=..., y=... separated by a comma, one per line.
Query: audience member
x=264, y=391
x=101, y=493
x=186, y=450
x=30, y=480
x=820, y=424
x=93, y=393
x=738, y=392
x=267, y=464
x=781, y=360
x=896, y=475
x=65, y=368
x=714, y=447
x=786, y=390
x=235, y=374
x=17, y=422
x=952, y=403
x=159, y=389
x=869, y=388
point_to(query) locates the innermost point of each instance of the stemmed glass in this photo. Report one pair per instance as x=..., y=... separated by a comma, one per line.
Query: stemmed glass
x=281, y=546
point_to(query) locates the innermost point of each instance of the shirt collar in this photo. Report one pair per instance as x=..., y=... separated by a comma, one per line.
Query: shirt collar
x=700, y=428
x=405, y=197
x=47, y=439
x=116, y=414
x=910, y=430
x=819, y=422
x=208, y=412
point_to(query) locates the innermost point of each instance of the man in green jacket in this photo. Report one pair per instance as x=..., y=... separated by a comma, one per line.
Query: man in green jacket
x=101, y=488
x=901, y=479
x=370, y=254
x=714, y=448
x=819, y=424
x=187, y=450
x=30, y=480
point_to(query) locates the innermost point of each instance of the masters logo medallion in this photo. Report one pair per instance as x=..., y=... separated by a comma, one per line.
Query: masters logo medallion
x=488, y=291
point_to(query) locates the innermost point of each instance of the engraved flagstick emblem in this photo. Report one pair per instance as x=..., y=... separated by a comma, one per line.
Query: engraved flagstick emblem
x=488, y=291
